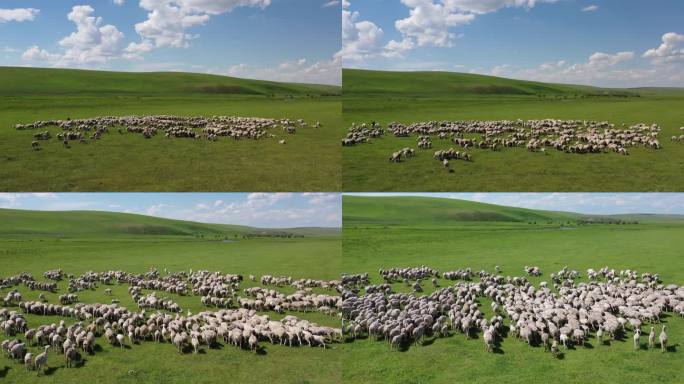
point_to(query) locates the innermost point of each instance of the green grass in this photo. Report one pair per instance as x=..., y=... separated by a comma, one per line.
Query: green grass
x=309, y=161
x=100, y=246
x=424, y=96
x=430, y=239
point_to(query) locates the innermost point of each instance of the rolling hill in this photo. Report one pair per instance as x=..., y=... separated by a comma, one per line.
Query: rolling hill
x=415, y=210
x=78, y=223
x=441, y=84
x=18, y=81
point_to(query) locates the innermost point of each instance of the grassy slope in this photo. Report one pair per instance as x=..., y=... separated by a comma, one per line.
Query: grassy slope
x=431, y=84
x=424, y=96
x=309, y=161
x=482, y=245
x=437, y=211
x=73, y=82
x=91, y=246
x=412, y=210
x=78, y=223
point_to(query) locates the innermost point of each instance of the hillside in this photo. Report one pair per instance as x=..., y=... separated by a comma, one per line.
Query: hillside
x=442, y=84
x=18, y=81
x=429, y=210
x=90, y=223
x=441, y=211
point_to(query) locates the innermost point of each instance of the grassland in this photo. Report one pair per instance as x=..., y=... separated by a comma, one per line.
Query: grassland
x=382, y=232
x=309, y=161
x=42, y=241
x=425, y=96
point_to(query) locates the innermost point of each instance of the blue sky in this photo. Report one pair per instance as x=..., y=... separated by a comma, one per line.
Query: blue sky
x=266, y=210
x=587, y=203
x=288, y=40
x=621, y=43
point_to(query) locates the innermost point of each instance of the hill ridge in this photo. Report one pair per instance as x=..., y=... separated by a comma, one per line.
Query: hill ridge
x=77, y=222
x=23, y=81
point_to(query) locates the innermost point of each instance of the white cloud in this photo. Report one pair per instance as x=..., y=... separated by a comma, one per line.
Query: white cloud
x=14, y=200
x=601, y=68
x=273, y=210
x=299, y=71
x=331, y=3
x=500, y=70
x=429, y=22
x=360, y=38
x=156, y=209
x=92, y=43
x=168, y=21
x=486, y=6
x=18, y=14
x=590, y=8
x=35, y=53
x=318, y=198
x=119, y=2
x=671, y=49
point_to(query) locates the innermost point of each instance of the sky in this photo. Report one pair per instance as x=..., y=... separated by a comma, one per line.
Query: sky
x=586, y=203
x=282, y=40
x=613, y=43
x=265, y=210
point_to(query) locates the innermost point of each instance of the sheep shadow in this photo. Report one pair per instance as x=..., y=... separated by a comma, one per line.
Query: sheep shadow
x=671, y=348
x=261, y=351
x=50, y=371
x=4, y=371
x=216, y=346
x=497, y=349
x=588, y=345
x=560, y=356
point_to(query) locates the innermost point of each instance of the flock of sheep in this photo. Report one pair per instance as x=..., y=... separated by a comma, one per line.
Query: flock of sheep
x=559, y=313
x=569, y=136
x=234, y=315
x=209, y=128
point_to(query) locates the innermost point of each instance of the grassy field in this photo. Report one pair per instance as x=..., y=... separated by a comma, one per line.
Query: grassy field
x=408, y=97
x=106, y=242
x=309, y=161
x=377, y=235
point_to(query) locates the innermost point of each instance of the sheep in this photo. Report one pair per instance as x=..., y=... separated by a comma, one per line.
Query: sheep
x=651, y=338
x=663, y=339
x=253, y=343
x=488, y=340
x=70, y=356
x=636, y=337
x=28, y=361
x=554, y=348
x=40, y=361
